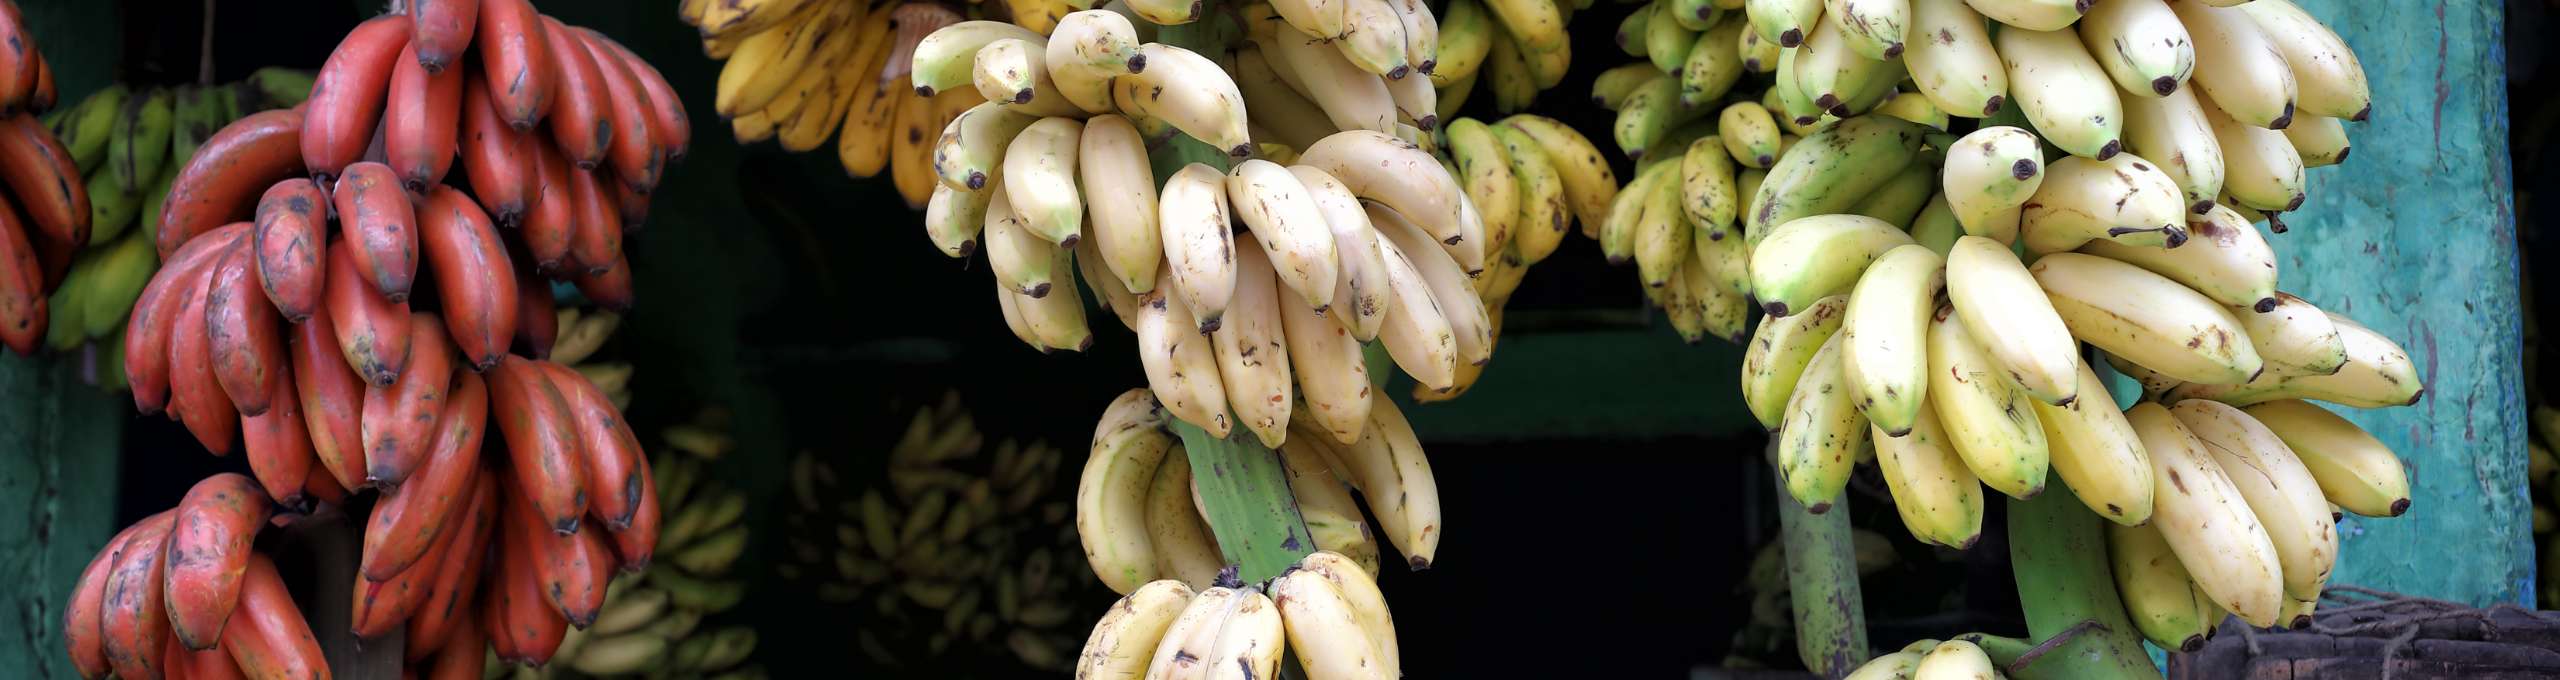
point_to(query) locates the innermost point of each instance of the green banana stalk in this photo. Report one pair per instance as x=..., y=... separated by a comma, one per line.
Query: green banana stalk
x=1822, y=579
x=2059, y=551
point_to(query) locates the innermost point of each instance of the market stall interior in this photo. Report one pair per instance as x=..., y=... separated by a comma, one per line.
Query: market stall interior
x=720, y=300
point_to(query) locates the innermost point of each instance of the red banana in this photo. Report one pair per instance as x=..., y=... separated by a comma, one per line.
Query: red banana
x=208, y=549
x=244, y=333
x=572, y=569
x=332, y=399
x=400, y=420
x=223, y=182
x=440, y=30
x=88, y=601
x=595, y=244
x=292, y=237
x=55, y=255
x=195, y=393
x=448, y=610
x=542, y=443
x=515, y=60
x=552, y=219
x=537, y=322
x=22, y=287
x=381, y=605
x=578, y=119
x=419, y=121
x=42, y=177
x=45, y=96
x=499, y=160
x=375, y=215
x=372, y=332
x=460, y=656
x=279, y=445
x=20, y=64
x=346, y=97
x=638, y=543
x=635, y=156
x=475, y=281
x=417, y=515
x=155, y=311
x=613, y=454
x=190, y=664
x=610, y=289
x=668, y=122
x=267, y=636
x=518, y=612
x=634, y=207
x=322, y=489
x=133, y=622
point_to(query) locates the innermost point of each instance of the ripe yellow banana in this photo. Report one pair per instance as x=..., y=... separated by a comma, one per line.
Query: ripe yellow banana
x=1252, y=350
x=1195, y=95
x=2032, y=15
x=1785, y=22
x=1040, y=180
x=1989, y=174
x=2207, y=522
x=1180, y=366
x=1749, y=134
x=1939, y=499
x=1325, y=632
x=1361, y=277
x=1707, y=192
x=1819, y=442
x=1397, y=174
x=1954, y=660
x=1388, y=468
x=2125, y=199
x=2328, y=79
x=2147, y=319
x=1776, y=357
x=2002, y=307
x=1108, y=291
x=953, y=218
x=1014, y=72
x=1816, y=257
x=2063, y=91
x=1086, y=50
x=1058, y=318
x=1324, y=503
x=1987, y=418
x=2238, y=66
x=2159, y=596
x=1589, y=185
x=1360, y=591
x=1183, y=654
x=1895, y=666
x=2173, y=129
x=970, y=154
x=2225, y=259
x=1375, y=38
x=2377, y=374
x=2260, y=168
x=1831, y=172
x=1185, y=549
x=2355, y=471
x=1250, y=644
x=1125, y=639
x=1020, y=259
x=2294, y=337
x=1283, y=217
x=1956, y=68
x=1537, y=25
x=2320, y=141
x=1884, y=357
x=1120, y=185
x=1111, y=494
x=2280, y=491
x=1199, y=249
x=946, y=58
x=1450, y=287
x=1417, y=333
x=1830, y=70
x=1353, y=99
x=2141, y=44
x=2096, y=452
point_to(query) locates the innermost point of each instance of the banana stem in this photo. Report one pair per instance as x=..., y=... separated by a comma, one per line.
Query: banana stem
x=1822, y=581
x=2059, y=552
x=1246, y=496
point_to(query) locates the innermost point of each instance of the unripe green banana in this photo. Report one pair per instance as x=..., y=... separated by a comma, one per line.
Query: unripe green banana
x=1830, y=172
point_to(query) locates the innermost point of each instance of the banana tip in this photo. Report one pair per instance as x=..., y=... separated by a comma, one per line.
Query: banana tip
x=2164, y=85
x=2113, y=147
x=2399, y=506
x=1893, y=50
x=1818, y=508
x=2191, y=644
x=2265, y=304
x=1775, y=309
x=1791, y=38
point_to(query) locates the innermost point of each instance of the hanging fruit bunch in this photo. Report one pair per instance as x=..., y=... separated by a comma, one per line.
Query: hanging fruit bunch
x=1515, y=49
x=260, y=333
x=182, y=593
x=1929, y=331
x=967, y=554
x=1326, y=610
x=44, y=219
x=130, y=145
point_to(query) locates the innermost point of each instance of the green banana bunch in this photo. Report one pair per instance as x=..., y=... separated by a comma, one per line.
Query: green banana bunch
x=964, y=550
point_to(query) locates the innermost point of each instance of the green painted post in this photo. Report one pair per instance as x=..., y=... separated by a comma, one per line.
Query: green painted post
x=63, y=438
x=2415, y=236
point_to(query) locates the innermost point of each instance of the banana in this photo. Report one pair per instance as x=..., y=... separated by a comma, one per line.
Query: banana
x=1040, y=170
x=2153, y=383
x=85, y=128
x=1723, y=306
x=1830, y=70
x=1884, y=358
x=1939, y=499
x=1125, y=639
x=2001, y=306
x=1322, y=18
x=1903, y=197
x=2096, y=452
x=1785, y=22
x=2141, y=44
x=2353, y=469
x=1416, y=101
x=1990, y=174
x=1198, y=247
x=1014, y=73
x=1749, y=134
x=1711, y=70
x=1819, y=441
x=1816, y=257
x=2225, y=259
x=2280, y=491
x=138, y=145
x=1838, y=166
x=1375, y=38
x=1417, y=333
x=1874, y=28
x=1956, y=68
x=1954, y=660
x=1544, y=217
x=1128, y=446
x=2320, y=141
x=1324, y=503
x=946, y=58
x=971, y=151
x=1183, y=654
x=2125, y=199
x=1360, y=592
x=1195, y=95
x=2173, y=127
x=953, y=218
x=1707, y=192
x=1361, y=278
x=2206, y=521
x=1985, y=415
x=2261, y=169
x=1589, y=186
x=1112, y=164
x=2147, y=319
x=1387, y=466
x=1085, y=51
x=2063, y=91
x=2242, y=69
x=2328, y=80
x=1914, y=107
x=1421, y=37
x=1895, y=666
x=2294, y=337
x=1351, y=98
x=1021, y=260
x=1325, y=632
x=1640, y=214
x=1666, y=40
x=1778, y=353
x=1514, y=86
x=1250, y=644
x=1936, y=226
x=1108, y=291
x=1185, y=548
x=1252, y=348
x=1332, y=376
x=1759, y=55
x=1180, y=365
x=1653, y=109
x=1282, y=215
x=1484, y=171
x=1610, y=89
x=2377, y=374
x=1725, y=262
x=765, y=63
x=2162, y=600
x=1399, y=175
x=2032, y=15
x=1537, y=25
x=1450, y=287
x=1787, y=97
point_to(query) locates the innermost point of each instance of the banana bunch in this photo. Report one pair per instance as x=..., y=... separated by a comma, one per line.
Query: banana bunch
x=130, y=146
x=1137, y=510
x=802, y=71
x=960, y=551
x=182, y=594
x=45, y=212
x=1514, y=48
x=1327, y=610
x=1930, y=660
x=652, y=624
x=583, y=331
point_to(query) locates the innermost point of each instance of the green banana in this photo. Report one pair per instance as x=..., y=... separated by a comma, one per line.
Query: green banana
x=116, y=275
x=140, y=144
x=84, y=128
x=1832, y=170
x=152, y=199
x=280, y=87
x=112, y=205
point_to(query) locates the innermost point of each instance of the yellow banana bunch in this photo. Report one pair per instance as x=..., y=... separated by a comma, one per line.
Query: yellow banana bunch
x=1327, y=612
